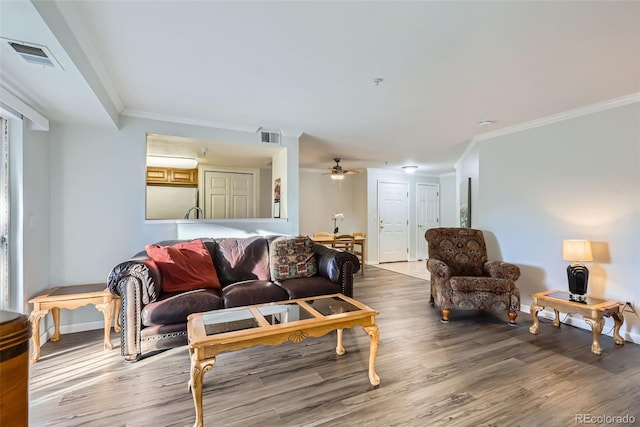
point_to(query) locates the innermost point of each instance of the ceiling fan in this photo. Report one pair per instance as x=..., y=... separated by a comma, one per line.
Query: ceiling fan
x=337, y=172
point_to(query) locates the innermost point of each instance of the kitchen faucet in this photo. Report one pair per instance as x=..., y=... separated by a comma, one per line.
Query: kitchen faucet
x=198, y=212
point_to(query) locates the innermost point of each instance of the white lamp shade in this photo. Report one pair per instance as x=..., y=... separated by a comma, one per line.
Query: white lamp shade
x=576, y=250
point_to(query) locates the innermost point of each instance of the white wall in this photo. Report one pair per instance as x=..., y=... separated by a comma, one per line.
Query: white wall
x=448, y=201
x=321, y=197
x=35, y=215
x=578, y=178
x=97, y=187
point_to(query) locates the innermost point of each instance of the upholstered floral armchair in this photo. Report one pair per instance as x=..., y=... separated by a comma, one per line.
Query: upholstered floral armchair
x=462, y=278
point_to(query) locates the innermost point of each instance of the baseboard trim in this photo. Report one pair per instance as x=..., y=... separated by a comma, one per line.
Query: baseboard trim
x=577, y=321
x=70, y=329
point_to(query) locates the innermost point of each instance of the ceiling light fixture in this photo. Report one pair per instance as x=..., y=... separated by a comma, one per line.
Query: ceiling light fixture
x=337, y=176
x=485, y=123
x=410, y=169
x=378, y=81
x=172, y=162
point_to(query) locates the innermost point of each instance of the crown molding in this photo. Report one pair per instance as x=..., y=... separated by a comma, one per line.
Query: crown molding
x=130, y=112
x=555, y=118
x=186, y=121
x=38, y=121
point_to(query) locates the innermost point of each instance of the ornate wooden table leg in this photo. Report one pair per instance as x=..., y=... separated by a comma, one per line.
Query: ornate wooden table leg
x=339, y=347
x=556, y=321
x=618, y=319
x=596, y=327
x=107, y=311
x=535, y=308
x=118, y=307
x=374, y=338
x=198, y=368
x=55, y=312
x=35, y=317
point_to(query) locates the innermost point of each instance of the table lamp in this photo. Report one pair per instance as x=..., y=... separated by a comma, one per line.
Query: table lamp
x=577, y=273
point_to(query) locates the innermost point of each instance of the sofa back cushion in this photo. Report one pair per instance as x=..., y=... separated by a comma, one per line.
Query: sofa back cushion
x=184, y=266
x=292, y=258
x=237, y=260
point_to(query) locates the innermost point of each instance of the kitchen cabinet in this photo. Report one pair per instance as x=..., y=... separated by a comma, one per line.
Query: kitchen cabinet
x=171, y=176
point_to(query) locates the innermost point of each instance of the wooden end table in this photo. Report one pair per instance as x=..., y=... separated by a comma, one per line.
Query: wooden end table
x=593, y=312
x=72, y=297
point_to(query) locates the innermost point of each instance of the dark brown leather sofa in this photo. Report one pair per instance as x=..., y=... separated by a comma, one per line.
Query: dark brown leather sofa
x=153, y=320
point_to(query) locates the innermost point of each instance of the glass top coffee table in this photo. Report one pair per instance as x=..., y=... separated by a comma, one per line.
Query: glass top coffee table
x=272, y=324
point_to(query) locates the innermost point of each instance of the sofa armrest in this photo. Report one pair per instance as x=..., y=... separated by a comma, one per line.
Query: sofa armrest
x=438, y=269
x=502, y=270
x=144, y=270
x=137, y=282
x=337, y=266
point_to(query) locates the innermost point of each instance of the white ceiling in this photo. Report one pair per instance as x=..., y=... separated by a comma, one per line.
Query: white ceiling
x=309, y=67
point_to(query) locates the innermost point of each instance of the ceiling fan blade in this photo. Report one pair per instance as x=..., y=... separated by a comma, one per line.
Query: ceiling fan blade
x=350, y=172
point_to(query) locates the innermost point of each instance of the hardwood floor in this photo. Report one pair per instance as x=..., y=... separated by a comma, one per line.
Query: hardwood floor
x=474, y=371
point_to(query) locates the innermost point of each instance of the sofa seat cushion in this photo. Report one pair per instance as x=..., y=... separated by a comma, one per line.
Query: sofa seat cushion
x=175, y=307
x=252, y=292
x=309, y=287
x=482, y=284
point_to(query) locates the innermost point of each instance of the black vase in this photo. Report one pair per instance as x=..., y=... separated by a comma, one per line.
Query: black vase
x=578, y=276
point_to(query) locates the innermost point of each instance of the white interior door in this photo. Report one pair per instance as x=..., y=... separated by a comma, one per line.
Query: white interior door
x=228, y=195
x=428, y=204
x=393, y=216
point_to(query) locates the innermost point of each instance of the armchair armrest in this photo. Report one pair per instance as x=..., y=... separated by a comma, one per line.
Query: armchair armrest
x=502, y=270
x=438, y=269
x=337, y=266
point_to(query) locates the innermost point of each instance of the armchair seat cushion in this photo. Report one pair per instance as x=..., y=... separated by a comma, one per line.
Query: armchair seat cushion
x=480, y=284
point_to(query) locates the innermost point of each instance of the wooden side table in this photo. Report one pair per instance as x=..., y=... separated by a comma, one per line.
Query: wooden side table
x=72, y=297
x=593, y=312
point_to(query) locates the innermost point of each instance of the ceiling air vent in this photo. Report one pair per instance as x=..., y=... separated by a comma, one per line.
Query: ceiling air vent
x=34, y=54
x=268, y=137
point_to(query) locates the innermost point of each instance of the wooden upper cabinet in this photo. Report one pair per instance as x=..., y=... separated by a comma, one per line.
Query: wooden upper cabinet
x=170, y=176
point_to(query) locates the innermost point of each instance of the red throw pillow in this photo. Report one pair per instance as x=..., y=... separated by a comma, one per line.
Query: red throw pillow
x=184, y=266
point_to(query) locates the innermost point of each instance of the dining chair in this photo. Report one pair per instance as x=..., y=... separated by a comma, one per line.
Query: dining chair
x=322, y=234
x=344, y=242
x=358, y=248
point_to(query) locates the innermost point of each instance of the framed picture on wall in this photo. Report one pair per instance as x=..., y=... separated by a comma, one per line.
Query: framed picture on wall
x=276, y=198
x=465, y=203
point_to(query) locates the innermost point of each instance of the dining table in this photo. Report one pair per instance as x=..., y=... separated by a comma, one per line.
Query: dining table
x=331, y=241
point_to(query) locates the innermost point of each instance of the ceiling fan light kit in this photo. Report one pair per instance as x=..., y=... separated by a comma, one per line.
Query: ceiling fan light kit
x=337, y=173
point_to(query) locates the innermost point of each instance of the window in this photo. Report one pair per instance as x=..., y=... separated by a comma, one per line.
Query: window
x=4, y=214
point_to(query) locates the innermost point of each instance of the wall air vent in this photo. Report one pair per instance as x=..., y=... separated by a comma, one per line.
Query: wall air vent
x=34, y=54
x=268, y=137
